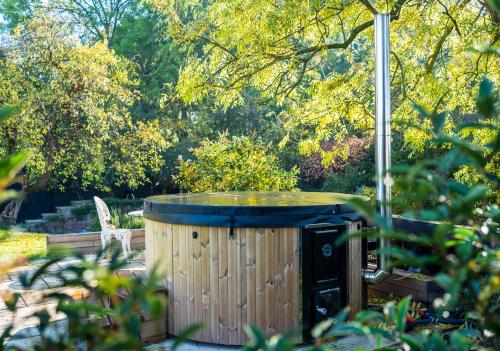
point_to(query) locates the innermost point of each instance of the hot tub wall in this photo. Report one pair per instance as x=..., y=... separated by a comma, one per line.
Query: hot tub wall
x=252, y=278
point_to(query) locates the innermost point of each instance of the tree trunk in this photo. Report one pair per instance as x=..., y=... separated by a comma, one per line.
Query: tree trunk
x=11, y=211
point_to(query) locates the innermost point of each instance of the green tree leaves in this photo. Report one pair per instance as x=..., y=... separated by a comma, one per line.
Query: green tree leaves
x=316, y=60
x=74, y=117
x=487, y=99
x=233, y=164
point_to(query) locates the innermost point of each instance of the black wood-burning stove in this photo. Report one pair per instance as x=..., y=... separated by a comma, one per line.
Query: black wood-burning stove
x=324, y=274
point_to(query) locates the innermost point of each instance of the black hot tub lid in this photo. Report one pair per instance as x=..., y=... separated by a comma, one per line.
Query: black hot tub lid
x=251, y=209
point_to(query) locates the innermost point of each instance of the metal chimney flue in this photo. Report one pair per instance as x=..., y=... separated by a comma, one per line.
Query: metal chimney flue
x=382, y=140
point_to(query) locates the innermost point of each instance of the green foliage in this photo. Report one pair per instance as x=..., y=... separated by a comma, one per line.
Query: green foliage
x=317, y=171
x=97, y=19
x=124, y=204
x=119, y=208
x=80, y=212
x=122, y=220
x=400, y=203
x=15, y=11
x=315, y=59
x=9, y=166
x=74, y=117
x=257, y=118
x=391, y=325
x=467, y=256
x=347, y=182
x=54, y=218
x=155, y=59
x=126, y=296
x=233, y=164
x=95, y=225
x=257, y=341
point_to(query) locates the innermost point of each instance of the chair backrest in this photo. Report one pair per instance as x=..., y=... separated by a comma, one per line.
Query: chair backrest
x=103, y=214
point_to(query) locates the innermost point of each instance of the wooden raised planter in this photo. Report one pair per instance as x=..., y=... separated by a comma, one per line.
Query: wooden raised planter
x=401, y=283
x=89, y=242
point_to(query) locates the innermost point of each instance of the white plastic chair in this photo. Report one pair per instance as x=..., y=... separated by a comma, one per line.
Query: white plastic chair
x=108, y=230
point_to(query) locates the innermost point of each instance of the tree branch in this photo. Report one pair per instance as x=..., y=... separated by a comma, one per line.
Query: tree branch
x=369, y=6
x=437, y=49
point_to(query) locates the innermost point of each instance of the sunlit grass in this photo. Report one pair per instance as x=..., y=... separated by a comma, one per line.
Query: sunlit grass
x=17, y=244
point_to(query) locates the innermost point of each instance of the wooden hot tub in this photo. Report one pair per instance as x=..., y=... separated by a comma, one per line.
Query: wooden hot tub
x=268, y=259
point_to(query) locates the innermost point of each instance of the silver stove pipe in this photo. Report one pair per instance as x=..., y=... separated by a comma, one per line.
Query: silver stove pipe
x=382, y=140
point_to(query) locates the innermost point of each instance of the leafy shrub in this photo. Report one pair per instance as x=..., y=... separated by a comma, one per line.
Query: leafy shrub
x=124, y=204
x=95, y=225
x=80, y=212
x=119, y=219
x=466, y=255
x=54, y=218
x=233, y=164
x=123, y=220
x=400, y=203
x=353, y=154
x=347, y=182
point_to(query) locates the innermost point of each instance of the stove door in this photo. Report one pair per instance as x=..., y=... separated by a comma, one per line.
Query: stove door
x=326, y=256
x=328, y=303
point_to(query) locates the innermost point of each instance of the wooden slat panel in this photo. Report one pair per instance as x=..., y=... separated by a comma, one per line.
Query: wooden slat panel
x=169, y=278
x=205, y=282
x=156, y=230
x=268, y=261
x=150, y=232
x=182, y=313
x=190, y=274
x=223, y=286
x=198, y=317
x=160, y=248
x=214, y=285
x=232, y=283
x=227, y=283
x=242, y=284
x=288, y=279
x=354, y=271
x=238, y=283
x=175, y=293
x=250, y=275
x=260, y=283
x=296, y=274
x=279, y=278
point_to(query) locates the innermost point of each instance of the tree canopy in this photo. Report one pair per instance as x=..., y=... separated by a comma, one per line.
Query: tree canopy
x=74, y=118
x=297, y=75
x=98, y=19
x=316, y=59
